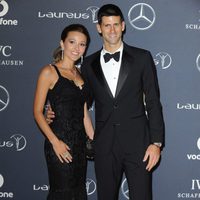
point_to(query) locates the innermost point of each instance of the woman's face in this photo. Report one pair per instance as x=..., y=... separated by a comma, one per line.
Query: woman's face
x=74, y=45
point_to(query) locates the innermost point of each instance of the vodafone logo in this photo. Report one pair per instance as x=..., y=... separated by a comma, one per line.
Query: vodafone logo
x=4, y=11
x=198, y=143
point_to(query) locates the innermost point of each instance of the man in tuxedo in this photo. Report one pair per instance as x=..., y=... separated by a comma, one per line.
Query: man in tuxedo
x=122, y=80
x=129, y=127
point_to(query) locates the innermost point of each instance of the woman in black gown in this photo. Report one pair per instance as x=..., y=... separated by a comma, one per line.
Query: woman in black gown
x=61, y=83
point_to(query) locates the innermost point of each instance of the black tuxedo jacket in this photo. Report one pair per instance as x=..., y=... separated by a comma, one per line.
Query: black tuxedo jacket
x=123, y=117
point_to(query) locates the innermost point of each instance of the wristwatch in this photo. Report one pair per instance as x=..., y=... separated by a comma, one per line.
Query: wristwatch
x=158, y=144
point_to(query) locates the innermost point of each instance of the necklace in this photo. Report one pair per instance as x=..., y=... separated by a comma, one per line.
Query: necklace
x=71, y=74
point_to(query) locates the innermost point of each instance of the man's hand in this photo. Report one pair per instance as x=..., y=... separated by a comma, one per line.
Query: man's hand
x=49, y=114
x=152, y=155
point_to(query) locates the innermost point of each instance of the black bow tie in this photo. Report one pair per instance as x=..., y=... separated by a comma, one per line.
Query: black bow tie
x=108, y=56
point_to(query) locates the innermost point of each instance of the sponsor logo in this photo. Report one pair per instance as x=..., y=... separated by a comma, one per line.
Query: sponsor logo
x=124, y=189
x=5, y=194
x=195, y=156
x=198, y=143
x=194, y=192
x=193, y=26
x=1, y=180
x=141, y=16
x=4, y=98
x=40, y=187
x=5, y=7
x=16, y=141
x=6, y=52
x=198, y=62
x=91, y=12
x=188, y=106
x=90, y=186
x=3, y=12
x=163, y=60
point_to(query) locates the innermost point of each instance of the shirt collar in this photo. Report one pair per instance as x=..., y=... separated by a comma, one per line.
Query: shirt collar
x=120, y=49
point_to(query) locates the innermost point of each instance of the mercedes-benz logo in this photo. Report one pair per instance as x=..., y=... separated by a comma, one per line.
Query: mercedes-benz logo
x=124, y=189
x=4, y=98
x=198, y=62
x=1, y=180
x=163, y=59
x=90, y=186
x=141, y=16
x=93, y=10
x=20, y=141
x=198, y=143
x=5, y=8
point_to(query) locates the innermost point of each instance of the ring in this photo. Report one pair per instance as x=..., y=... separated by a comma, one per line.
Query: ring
x=65, y=154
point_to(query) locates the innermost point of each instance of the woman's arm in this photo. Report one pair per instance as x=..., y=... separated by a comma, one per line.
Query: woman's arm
x=88, y=123
x=45, y=81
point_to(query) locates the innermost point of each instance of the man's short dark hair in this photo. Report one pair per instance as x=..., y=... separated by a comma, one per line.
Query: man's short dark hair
x=109, y=10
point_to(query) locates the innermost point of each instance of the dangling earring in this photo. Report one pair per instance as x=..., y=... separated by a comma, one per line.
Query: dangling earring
x=62, y=54
x=81, y=60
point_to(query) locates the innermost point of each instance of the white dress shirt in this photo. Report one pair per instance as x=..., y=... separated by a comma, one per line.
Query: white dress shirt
x=111, y=69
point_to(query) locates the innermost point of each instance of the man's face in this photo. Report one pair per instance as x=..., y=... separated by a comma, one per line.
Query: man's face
x=111, y=30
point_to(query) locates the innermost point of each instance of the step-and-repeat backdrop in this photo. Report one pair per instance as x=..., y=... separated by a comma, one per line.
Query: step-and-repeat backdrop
x=30, y=31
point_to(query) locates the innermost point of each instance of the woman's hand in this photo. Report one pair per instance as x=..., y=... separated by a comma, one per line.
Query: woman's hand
x=62, y=151
x=49, y=114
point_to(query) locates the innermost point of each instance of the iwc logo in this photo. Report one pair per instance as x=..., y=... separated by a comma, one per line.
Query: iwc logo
x=141, y=16
x=163, y=60
x=4, y=98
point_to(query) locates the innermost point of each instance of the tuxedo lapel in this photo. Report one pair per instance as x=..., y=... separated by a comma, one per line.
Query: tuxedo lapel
x=126, y=63
x=96, y=66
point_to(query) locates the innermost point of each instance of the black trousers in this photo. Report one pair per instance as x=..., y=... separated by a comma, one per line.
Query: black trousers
x=109, y=170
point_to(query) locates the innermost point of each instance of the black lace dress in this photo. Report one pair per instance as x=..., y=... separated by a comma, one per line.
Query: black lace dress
x=67, y=180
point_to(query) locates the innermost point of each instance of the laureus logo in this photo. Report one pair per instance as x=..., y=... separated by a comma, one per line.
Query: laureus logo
x=141, y=16
x=124, y=189
x=163, y=60
x=93, y=10
x=84, y=15
x=16, y=141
